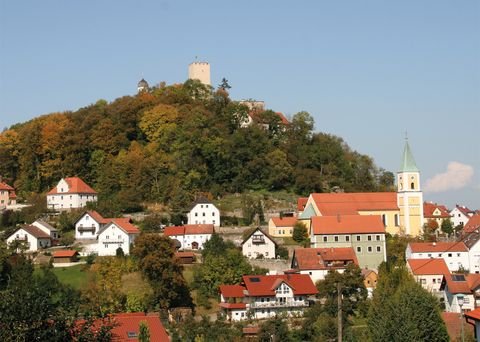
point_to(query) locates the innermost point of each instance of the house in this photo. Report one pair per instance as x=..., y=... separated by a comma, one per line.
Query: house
x=435, y=212
x=472, y=224
x=460, y=288
x=429, y=273
x=126, y=326
x=46, y=228
x=118, y=233
x=460, y=215
x=317, y=262
x=65, y=256
x=455, y=254
x=190, y=236
x=365, y=234
x=33, y=237
x=281, y=226
x=370, y=278
x=266, y=296
x=259, y=243
x=204, y=212
x=473, y=318
x=7, y=195
x=89, y=224
x=472, y=241
x=70, y=193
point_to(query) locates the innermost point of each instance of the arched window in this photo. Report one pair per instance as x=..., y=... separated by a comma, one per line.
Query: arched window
x=412, y=185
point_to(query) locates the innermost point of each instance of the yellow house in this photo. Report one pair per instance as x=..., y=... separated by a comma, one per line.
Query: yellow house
x=281, y=226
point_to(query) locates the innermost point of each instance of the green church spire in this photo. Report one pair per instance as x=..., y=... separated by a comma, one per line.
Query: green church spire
x=408, y=163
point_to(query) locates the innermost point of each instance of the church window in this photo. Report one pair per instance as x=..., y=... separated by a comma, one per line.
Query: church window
x=384, y=219
x=412, y=185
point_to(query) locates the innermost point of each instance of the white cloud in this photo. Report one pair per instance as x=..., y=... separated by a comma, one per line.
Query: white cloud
x=457, y=176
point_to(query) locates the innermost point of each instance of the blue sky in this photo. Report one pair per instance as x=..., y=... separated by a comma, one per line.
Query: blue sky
x=366, y=70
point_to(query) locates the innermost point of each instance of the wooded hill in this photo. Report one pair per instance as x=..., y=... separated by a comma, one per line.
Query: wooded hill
x=169, y=143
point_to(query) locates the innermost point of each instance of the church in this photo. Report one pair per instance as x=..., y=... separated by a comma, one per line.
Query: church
x=401, y=212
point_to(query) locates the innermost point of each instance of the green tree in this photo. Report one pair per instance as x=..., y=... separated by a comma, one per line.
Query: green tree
x=274, y=329
x=447, y=226
x=300, y=233
x=144, y=332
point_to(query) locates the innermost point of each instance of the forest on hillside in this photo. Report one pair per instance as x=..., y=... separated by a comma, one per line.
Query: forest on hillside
x=167, y=144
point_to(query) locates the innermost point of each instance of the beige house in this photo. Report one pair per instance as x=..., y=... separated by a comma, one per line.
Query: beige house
x=259, y=244
x=281, y=226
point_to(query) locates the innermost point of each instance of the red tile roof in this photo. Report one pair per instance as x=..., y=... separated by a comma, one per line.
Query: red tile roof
x=233, y=305
x=258, y=285
x=232, y=291
x=426, y=247
x=189, y=229
x=428, y=266
x=467, y=285
x=472, y=224
x=64, y=254
x=464, y=210
x=347, y=224
x=75, y=186
x=125, y=225
x=318, y=258
x=429, y=209
x=251, y=330
x=301, y=203
x=453, y=322
x=36, y=232
x=97, y=217
x=475, y=314
x=5, y=186
x=284, y=221
x=174, y=230
x=351, y=203
x=182, y=254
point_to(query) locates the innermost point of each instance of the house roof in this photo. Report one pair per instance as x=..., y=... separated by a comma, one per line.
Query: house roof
x=126, y=324
x=464, y=210
x=189, y=229
x=34, y=231
x=97, y=217
x=475, y=314
x=428, y=266
x=264, y=233
x=408, y=163
x=122, y=223
x=437, y=247
x=64, y=253
x=200, y=200
x=284, y=221
x=265, y=285
x=307, y=213
x=347, y=224
x=183, y=254
x=174, y=230
x=454, y=324
x=472, y=224
x=471, y=238
x=315, y=258
x=75, y=186
x=351, y=203
x=44, y=224
x=5, y=186
x=232, y=291
x=233, y=305
x=301, y=203
x=429, y=209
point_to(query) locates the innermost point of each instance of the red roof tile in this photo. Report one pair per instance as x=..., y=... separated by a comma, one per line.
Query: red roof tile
x=475, y=314
x=428, y=266
x=464, y=210
x=97, y=217
x=174, y=230
x=75, y=186
x=258, y=285
x=189, y=229
x=301, y=203
x=34, y=231
x=125, y=225
x=64, y=254
x=232, y=291
x=347, y=224
x=251, y=330
x=429, y=209
x=472, y=224
x=453, y=322
x=426, y=247
x=318, y=258
x=233, y=305
x=284, y=221
x=458, y=285
x=351, y=203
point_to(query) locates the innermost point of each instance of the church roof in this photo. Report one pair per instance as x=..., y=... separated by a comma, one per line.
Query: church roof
x=408, y=163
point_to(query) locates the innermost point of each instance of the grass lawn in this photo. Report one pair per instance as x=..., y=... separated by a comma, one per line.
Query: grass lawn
x=74, y=276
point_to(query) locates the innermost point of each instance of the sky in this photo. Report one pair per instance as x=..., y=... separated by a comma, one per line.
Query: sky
x=367, y=71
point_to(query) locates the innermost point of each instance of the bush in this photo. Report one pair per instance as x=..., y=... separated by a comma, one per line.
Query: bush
x=282, y=252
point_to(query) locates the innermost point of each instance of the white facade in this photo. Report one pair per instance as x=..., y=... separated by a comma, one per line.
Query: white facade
x=65, y=199
x=474, y=257
x=204, y=213
x=458, y=217
x=453, y=260
x=451, y=302
x=46, y=228
x=430, y=282
x=258, y=244
x=87, y=227
x=33, y=243
x=192, y=241
x=112, y=237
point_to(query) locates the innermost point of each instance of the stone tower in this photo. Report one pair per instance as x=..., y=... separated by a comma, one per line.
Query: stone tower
x=409, y=194
x=199, y=71
x=142, y=85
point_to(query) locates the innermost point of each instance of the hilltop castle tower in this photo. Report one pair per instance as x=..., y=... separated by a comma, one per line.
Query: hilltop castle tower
x=142, y=85
x=409, y=194
x=199, y=71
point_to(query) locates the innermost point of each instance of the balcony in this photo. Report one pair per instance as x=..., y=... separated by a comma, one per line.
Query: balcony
x=86, y=229
x=277, y=304
x=258, y=240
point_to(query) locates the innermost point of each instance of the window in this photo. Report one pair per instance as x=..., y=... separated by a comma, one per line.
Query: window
x=347, y=238
x=378, y=237
x=369, y=238
x=335, y=238
x=196, y=214
x=213, y=214
x=379, y=249
x=412, y=185
x=458, y=254
x=206, y=205
x=324, y=239
x=201, y=206
x=449, y=255
x=370, y=249
x=107, y=237
x=434, y=280
x=423, y=281
x=203, y=214
x=397, y=222
x=359, y=249
x=266, y=254
x=310, y=273
x=384, y=219
x=439, y=255
x=429, y=255
x=358, y=237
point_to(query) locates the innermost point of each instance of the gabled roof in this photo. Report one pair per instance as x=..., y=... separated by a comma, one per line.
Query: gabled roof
x=34, y=231
x=351, y=203
x=96, y=216
x=44, y=224
x=232, y=291
x=64, y=254
x=437, y=247
x=347, y=224
x=301, y=202
x=430, y=208
x=428, y=266
x=475, y=314
x=464, y=210
x=174, y=230
x=472, y=224
x=122, y=223
x=308, y=212
x=189, y=229
x=284, y=221
x=75, y=186
x=471, y=238
x=259, y=230
x=318, y=258
x=265, y=285
x=462, y=283
x=5, y=186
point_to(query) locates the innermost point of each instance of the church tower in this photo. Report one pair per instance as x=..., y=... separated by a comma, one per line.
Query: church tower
x=409, y=194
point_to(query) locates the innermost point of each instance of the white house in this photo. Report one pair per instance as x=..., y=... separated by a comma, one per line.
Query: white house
x=33, y=237
x=70, y=193
x=266, y=296
x=89, y=224
x=204, y=212
x=259, y=243
x=190, y=236
x=429, y=273
x=458, y=287
x=472, y=241
x=118, y=233
x=318, y=262
x=460, y=215
x=455, y=254
x=46, y=228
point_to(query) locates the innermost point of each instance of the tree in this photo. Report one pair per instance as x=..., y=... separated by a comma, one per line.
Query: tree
x=275, y=329
x=224, y=84
x=144, y=332
x=300, y=233
x=447, y=226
